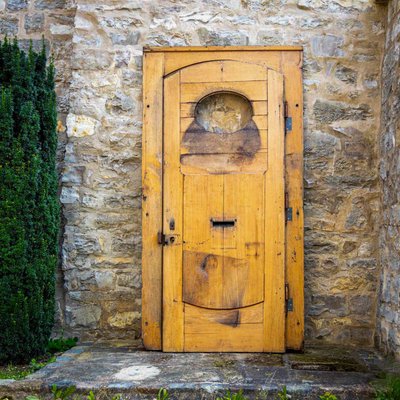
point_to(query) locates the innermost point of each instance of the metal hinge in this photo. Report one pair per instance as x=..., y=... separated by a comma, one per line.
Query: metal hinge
x=289, y=304
x=288, y=120
x=288, y=299
x=288, y=210
x=289, y=214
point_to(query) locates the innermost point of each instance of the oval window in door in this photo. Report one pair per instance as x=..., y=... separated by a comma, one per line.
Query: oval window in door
x=223, y=112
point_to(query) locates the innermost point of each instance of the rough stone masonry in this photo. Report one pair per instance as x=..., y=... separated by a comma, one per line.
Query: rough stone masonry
x=389, y=140
x=98, y=47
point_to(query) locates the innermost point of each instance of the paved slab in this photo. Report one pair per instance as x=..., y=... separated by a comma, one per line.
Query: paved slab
x=138, y=374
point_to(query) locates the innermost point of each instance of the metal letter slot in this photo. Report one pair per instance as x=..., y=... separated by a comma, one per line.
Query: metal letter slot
x=224, y=223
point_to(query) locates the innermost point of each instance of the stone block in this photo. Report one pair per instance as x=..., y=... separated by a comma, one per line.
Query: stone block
x=73, y=175
x=69, y=195
x=85, y=243
x=34, y=23
x=37, y=45
x=309, y=4
x=124, y=245
x=167, y=39
x=268, y=37
x=8, y=26
x=320, y=144
x=104, y=279
x=122, y=59
x=126, y=281
x=91, y=59
x=363, y=263
x=345, y=74
x=87, y=316
x=122, y=319
x=327, y=46
x=361, y=304
x=60, y=30
x=50, y=4
x=121, y=102
x=129, y=39
x=80, y=125
x=331, y=304
x=222, y=38
x=357, y=218
x=327, y=112
x=349, y=246
x=16, y=5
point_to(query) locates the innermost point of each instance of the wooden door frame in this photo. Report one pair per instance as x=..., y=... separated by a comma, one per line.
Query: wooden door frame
x=161, y=61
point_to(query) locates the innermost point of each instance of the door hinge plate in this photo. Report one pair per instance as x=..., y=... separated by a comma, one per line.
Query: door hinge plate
x=288, y=124
x=288, y=299
x=289, y=214
x=289, y=304
x=288, y=120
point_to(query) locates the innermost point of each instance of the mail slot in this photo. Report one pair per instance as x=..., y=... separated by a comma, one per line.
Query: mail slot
x=223, y=223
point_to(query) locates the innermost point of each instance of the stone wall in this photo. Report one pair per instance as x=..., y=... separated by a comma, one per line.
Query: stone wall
x=101, y=177
x=389, y=308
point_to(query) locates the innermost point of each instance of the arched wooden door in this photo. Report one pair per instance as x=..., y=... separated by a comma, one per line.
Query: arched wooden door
x=223, y=208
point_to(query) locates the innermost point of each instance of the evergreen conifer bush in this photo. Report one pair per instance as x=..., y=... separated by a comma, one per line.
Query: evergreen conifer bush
x=29, y=207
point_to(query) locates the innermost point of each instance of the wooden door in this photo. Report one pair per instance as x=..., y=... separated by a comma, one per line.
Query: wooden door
x=223, y=208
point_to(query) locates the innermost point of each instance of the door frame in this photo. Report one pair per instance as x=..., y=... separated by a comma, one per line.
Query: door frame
x=161, y=61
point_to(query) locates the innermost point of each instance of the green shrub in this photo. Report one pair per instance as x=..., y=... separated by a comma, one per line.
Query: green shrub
x=29, y=207
x=59, y=345
x=391, y=389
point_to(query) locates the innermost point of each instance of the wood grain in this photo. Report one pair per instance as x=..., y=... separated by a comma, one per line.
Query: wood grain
x=166, y=61
x=223, y=71
x=152, y=200
x=198, y=164
x=223, y=330
x=193, y=92
x=270, y=58
x=185, y=49
x=259, y=108
x=172, y=211
x=274, y=310
x=292, y=63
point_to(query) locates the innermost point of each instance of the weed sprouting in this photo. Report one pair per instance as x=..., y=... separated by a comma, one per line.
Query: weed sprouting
x=62, y=394
x=328, y=396
x=283, y=394
x=233, y=396
x=162, y=394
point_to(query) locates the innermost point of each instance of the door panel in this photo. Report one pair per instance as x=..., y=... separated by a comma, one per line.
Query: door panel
x=259, y=108
x=223, y=272
x=223, y=71
x=224, y=330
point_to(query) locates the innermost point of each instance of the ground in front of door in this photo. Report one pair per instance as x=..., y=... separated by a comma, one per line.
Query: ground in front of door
x=137, y=374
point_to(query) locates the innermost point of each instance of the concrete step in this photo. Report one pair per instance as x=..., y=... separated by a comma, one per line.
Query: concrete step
x=138, y=374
